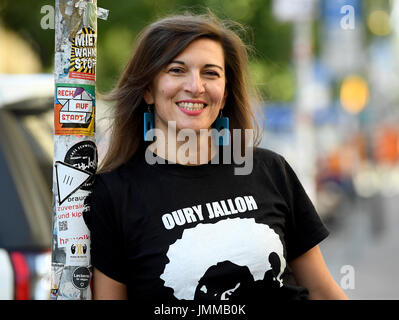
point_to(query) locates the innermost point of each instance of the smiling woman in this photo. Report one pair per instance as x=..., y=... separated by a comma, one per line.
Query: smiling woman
x=170, y=231
x=191, y=90
x=188, y=54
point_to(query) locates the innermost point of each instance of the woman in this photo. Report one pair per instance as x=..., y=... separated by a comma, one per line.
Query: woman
x=169, y=223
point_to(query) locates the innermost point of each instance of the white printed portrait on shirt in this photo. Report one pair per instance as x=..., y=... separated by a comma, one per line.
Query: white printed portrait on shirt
x=249, y=253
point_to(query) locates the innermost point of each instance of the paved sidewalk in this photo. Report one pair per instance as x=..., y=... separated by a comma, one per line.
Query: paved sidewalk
x=368, y=240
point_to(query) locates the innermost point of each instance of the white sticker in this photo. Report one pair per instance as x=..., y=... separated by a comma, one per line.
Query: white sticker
x=72, y=117
x=70, y=222
x=69, y=179
x=81, y=106
x=78, y=252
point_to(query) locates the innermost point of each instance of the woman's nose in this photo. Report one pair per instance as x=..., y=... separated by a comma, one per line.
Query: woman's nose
x=195, y=84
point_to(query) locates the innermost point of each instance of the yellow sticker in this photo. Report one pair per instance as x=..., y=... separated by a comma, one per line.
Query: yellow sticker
x=83, y=55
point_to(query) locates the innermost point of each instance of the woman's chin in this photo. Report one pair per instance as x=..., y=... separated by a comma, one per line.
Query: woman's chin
x=187, y=130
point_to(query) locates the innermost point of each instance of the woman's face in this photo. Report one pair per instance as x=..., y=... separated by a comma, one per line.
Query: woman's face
x=191, y=89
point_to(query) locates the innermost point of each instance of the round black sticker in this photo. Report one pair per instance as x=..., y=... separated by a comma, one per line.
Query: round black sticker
x=83, y=155
x=81, y=278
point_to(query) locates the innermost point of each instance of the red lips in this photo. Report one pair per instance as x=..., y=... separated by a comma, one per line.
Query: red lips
x=191, y=112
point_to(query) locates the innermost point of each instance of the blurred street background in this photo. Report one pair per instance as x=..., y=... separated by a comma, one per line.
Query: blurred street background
x=328, y=71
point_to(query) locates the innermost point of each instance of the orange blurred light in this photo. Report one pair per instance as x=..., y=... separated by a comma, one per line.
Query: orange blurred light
x=354, y=94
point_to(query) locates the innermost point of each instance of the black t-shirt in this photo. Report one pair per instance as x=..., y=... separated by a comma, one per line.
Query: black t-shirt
x=175, y=232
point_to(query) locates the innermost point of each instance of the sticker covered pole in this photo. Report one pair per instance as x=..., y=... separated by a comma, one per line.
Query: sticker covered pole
x=75, y=151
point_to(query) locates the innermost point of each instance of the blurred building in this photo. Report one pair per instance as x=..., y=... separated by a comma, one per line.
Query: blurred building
x=16, y=55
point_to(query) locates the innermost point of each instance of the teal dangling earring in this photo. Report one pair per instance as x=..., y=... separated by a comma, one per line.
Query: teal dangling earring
x=220, y=124
x=148, y=124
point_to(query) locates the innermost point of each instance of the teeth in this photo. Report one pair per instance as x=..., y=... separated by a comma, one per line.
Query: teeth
x=191, y=106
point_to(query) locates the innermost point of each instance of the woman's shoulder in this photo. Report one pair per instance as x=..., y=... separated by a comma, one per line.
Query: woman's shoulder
x=268, y=157
x=117, y=176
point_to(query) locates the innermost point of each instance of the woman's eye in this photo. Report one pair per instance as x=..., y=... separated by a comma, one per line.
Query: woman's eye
x=176, y=70
x=212, y=73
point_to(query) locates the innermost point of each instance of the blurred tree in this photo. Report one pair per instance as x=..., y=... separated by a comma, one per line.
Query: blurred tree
x=271, y=40
x=15, y=55
x=23, y=17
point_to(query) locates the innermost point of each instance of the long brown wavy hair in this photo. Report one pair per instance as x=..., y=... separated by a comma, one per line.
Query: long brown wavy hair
x=156, y=46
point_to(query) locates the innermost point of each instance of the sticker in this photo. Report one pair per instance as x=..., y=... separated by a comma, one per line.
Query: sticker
x=56, y=272
x=83, y=55
x=90, y=16
x=75, y=177
x=81, y=278
x=70, y=221
x=69, y=179
x=74, y=284
x=74, y=109
x=83, y=156
x=78, y=253
x=102, y=13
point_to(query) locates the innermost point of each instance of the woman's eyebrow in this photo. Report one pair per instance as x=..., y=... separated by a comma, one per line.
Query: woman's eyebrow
x=214, y=65
x=206, y=66
x=178, y=62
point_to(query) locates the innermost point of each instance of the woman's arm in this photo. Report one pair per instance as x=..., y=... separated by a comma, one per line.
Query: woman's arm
x=311, y=272
x=105, y=288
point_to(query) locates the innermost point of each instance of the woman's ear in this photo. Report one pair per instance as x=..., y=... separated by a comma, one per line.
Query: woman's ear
x=148, y=98
x=224, y=99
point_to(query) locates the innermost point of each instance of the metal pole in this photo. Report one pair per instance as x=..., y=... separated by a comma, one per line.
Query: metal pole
x=301, y=13
x=75, y=151
x=306, y=161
